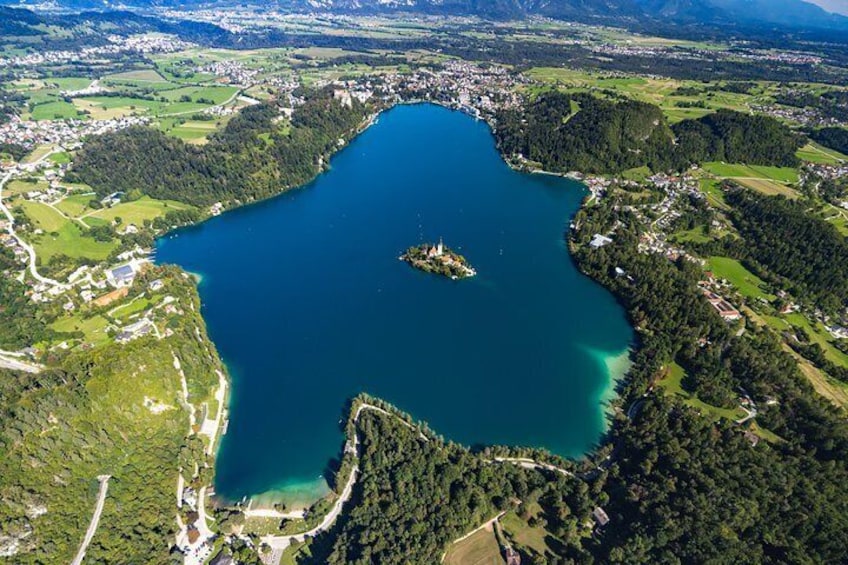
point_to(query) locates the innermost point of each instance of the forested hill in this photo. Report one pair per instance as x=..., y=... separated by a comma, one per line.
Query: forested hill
x=808, y=253
x=682, y=486
x=579, y=132
x=253, y=157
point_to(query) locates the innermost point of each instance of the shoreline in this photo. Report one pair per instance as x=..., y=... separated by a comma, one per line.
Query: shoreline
x=616, y=365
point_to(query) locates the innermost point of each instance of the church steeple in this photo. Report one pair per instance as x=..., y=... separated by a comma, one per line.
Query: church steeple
x=441, y=248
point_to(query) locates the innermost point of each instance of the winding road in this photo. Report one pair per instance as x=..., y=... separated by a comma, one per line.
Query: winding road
x=11, y=226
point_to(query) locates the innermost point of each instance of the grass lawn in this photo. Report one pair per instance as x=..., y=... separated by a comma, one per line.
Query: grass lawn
x=75, y=205
x=767, y=180
x=480, y=548
x=218, y=94
x=63, y=236
x=522, y=534
x=61, y=158
x=93, y=327
x=815, y=153
x=637, y=174
x=17, y=187
x=58, y=110
x=747, y=283
x=190, y=130
x=769, y=188
x=134, y=306
x=68, y=83
x=695, y=235
x=38, y=153
x=148, y=75
x=710, y=187
x=672, y=384
x=135, y=212
x=818, y=334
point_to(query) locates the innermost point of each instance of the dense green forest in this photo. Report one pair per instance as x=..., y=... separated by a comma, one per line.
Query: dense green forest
x=808, y=253
x=88, y=415
x=22, y=323
x=253, y=157
x=579, y=132
x=683, y=487
x=417, y=493
x=835, y=138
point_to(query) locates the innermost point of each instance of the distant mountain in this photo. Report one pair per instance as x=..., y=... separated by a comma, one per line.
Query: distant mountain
x=783, y=13
x=735, y=14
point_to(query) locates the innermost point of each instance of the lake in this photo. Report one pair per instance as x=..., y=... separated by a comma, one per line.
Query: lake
x=308, y=304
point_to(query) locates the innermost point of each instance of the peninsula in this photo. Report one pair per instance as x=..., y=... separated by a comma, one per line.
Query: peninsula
x=438, y=259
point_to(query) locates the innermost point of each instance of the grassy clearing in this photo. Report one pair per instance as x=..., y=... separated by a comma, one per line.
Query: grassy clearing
x=769, y=188
x=481, y=548
x=75, y=205
x=17, y=187
x=833, y=390
x=63, y=236
x=94, y=327
x=38, y=153
x=61, y=158
x=522, y=534
x=67, y=83
x=149, y=75
x=715, y=196
x=135, y=306
x=818, y=334
x=57, y=110
x=815, y=153
x=747, y=283
x=135, y=212
x=741, y=170
x=671, y=382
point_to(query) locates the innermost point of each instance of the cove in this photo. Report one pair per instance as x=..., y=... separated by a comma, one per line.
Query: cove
x=308, y=304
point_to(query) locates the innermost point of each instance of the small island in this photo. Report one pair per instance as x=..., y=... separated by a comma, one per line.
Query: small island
x=438, y=259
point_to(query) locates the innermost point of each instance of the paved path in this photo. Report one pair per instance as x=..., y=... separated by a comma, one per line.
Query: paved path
x=533, y=464
x=278, y=544
x=95, y=519
x=12, y=362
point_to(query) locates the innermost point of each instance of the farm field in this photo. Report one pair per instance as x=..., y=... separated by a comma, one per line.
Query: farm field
x=767, y=180
x=741, y=170
x=56, y=110
x=63, y=236
x=659, y=91
x=135, y=212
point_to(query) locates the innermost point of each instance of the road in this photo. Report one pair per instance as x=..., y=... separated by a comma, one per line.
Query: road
x=11, y=227
x=533, y=464
x=278, y=544
x=8, y=361
x=95, y=519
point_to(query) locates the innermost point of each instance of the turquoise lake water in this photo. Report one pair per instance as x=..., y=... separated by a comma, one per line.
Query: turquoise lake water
x=309, y=305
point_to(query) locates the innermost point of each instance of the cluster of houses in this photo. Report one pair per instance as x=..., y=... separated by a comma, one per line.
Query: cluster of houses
x=117, y=45
x=68, y=133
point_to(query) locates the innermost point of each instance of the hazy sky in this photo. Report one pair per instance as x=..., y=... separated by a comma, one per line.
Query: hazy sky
x=840, y=6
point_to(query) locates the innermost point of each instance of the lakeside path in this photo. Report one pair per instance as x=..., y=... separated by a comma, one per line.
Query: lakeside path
x=95, y=518
x=279, y=544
